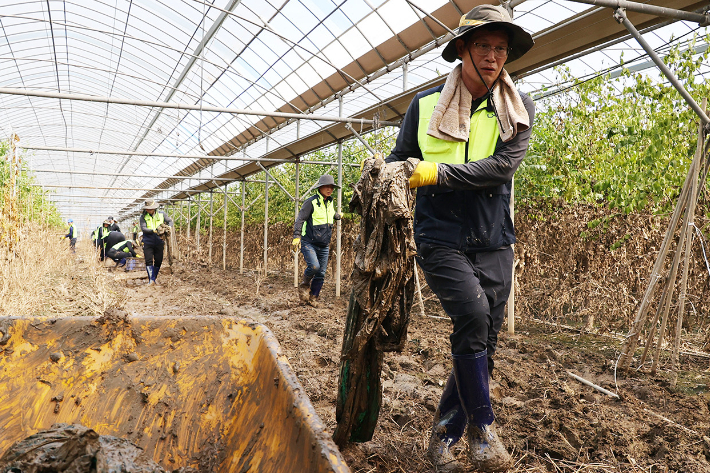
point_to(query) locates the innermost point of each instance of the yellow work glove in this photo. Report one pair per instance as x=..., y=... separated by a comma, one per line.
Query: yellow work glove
x=295, y=244
x=425, y=174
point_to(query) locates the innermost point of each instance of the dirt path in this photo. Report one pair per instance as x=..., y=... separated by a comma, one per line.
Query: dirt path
x=548, y=420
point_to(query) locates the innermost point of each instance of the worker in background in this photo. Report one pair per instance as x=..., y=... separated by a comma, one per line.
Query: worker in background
x=135, y=229
x=470, y=134
x=312, y=231
x=71, y=234
x=114, y=226
x=121, y=251
x=102, y=235
x=150, y=222
x=113, y=238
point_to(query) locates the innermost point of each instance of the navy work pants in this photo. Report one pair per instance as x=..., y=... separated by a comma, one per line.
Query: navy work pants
x=153, y=254
x=473, y=289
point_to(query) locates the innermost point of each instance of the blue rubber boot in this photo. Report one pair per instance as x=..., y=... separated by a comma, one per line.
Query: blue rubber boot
x=449, y=425
x=156, y=270
x=486, y=452
x=150, y=270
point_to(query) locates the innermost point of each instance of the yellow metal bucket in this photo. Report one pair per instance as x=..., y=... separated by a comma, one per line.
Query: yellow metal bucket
x=207, y=392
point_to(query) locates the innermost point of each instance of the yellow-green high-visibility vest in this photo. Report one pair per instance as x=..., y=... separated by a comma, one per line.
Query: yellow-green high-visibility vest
x=121, y=246
x=323, y=212
x=153, y=221
x=482, y=138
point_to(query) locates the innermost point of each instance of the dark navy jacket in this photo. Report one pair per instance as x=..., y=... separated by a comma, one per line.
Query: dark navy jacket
x=469, y=209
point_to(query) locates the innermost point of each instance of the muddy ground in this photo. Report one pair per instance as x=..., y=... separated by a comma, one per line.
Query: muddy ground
x=549, y=421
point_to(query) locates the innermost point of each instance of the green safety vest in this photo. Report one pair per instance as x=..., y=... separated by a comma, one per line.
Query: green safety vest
x=135, y=229
x=94, y=235
x=121, y=246
x=323, y=212
x=482, y=137
x=154, y=221
x=72, y=230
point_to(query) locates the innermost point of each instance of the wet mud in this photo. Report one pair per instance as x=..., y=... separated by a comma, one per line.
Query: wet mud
x=547, y=420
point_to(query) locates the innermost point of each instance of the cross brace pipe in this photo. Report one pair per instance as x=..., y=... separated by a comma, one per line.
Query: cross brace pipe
x=187, y=106
x=173, y=155
x=703, y=19
x=58, y=186
x=276, y=181
x=621, y=17
x=360, y=138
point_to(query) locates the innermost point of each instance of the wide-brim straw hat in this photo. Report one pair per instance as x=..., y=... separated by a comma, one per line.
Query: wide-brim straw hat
x=107, y=222
x=150, y=205
x=327, y=180
x=519, y=40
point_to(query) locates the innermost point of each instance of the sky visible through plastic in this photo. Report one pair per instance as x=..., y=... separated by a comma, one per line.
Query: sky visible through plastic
x=261, y=56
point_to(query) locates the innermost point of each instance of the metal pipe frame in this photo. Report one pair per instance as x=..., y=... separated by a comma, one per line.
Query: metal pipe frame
x=197, y=225
x=168, y=155
x=362, y=140
x=103, y=197
x=88, y=173
x=224, y=235
x=165, y=155
x=276, y=181
x=62, y=186
x=241, y=240
x=189, y=218
x=703, y=19
x=209, y=257
x=297, y=203
x=621, y=17
x=339, y=226
x=186, y=106
x=266, y=224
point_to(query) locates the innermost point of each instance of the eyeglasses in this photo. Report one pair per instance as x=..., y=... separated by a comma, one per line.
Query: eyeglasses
x=483, y=49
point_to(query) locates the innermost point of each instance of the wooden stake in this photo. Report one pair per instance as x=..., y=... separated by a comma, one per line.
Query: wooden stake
x=419, y=288
x=629, y=347
x=689, y=217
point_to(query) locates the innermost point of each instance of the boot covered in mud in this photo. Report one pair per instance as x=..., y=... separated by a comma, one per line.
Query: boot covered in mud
x=313, y=301
x=486, y=451
x=304, y=289
x=449, y=426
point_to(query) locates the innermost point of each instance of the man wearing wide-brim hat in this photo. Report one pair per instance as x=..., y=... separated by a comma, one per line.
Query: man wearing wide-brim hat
x=471, y=134
x=312, y=231
x=153, y=246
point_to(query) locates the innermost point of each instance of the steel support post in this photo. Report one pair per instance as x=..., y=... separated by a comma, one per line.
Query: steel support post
x=266, y=222
x=189, y=217
x=296, y=201
x=211, y=220
x=224, y=230
x=241, y=239
x=338, y=224
x=620, y=16
x=197, y=224
x=511, y=298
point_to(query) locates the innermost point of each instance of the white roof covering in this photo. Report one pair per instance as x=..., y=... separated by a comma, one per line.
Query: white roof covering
x=294, y=56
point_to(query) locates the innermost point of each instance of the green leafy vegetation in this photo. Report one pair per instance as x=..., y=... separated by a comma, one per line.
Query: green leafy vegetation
x=625, y=143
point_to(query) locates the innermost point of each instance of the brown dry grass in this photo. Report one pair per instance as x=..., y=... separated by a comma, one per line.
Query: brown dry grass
x=42, y=277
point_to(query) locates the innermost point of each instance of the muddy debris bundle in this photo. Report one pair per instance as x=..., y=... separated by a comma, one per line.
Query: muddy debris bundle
x=77, y=449
x=382, y=295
